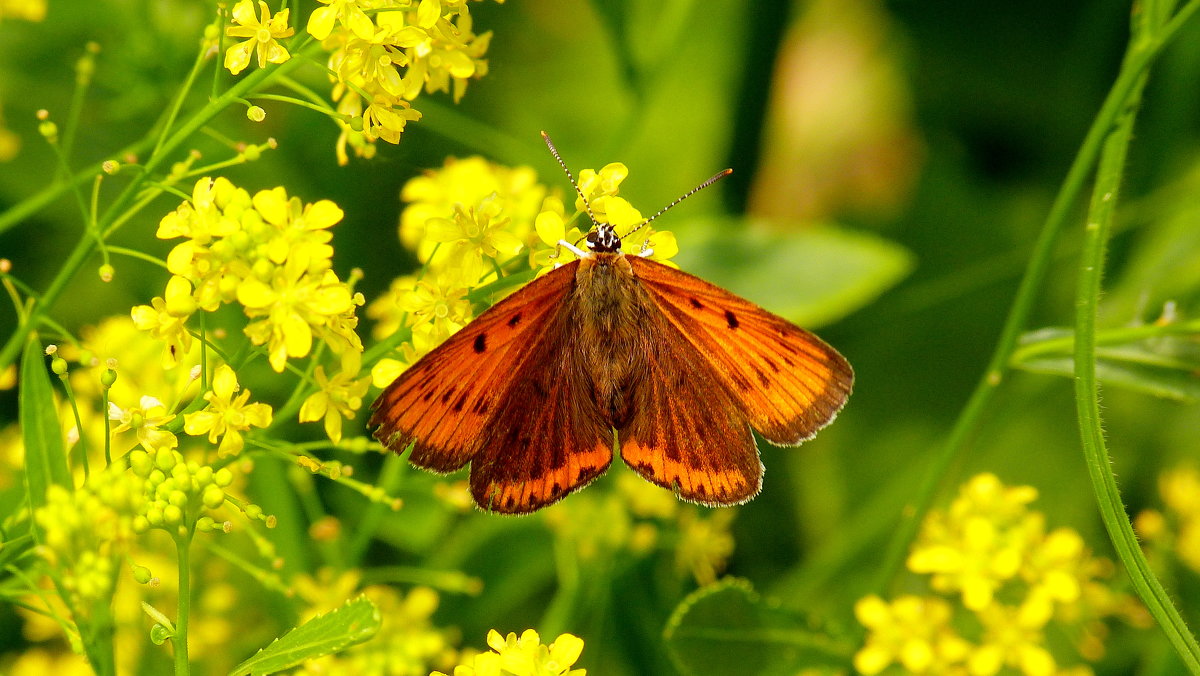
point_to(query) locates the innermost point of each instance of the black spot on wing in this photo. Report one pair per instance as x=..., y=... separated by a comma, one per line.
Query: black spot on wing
x=696, y=304
x=515, y=319
x=481, y=342
x=731, y=319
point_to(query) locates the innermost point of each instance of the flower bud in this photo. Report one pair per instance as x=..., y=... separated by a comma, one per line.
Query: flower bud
x=159, y=634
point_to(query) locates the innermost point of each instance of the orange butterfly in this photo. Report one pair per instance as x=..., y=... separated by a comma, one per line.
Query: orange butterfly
x=531, y=392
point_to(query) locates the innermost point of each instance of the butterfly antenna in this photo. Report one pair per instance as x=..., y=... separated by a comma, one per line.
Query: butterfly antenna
x=554, y=152
x=719, y=175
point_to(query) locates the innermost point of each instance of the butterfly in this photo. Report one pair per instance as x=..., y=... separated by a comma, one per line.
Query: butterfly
x=610, y=353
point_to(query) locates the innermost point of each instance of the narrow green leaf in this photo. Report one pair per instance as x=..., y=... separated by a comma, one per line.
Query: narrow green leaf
x=811, y=275
x=334, y=631
x=1162, y=366
x=726, y=628
x=45, y=452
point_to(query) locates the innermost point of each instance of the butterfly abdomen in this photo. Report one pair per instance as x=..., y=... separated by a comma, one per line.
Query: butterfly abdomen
x=610, y=313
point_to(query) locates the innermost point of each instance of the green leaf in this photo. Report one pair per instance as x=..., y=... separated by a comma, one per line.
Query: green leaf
x=45, y=453
x=1164, y=366
x=726, y=628
x=812, y=275
x=353, y=623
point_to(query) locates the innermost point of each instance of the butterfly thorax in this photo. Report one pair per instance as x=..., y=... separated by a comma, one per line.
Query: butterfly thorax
x=610, y=310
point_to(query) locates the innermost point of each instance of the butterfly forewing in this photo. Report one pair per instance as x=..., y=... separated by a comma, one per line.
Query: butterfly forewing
x=445, y=402
x=787, y=382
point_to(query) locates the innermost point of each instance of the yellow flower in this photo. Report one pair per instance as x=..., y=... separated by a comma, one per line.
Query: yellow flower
x=524, y=656
x=911, y=631
x=294, y=303
x=514, y=193
x=979, y=543
x=261, y=34
x=226, y=417
x=386, y=311
x=347, y=12
x=1012, y=637
x=473, y=234
x=339, y=396
x=705, y=543
x=299, y=230
x=437, y=307
x=29, y=10
x=146, y=420
x=166, y=319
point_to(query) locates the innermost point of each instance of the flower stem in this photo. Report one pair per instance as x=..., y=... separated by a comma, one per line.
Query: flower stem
x=1087, y=393
x=179, y=640
x=1139, y=55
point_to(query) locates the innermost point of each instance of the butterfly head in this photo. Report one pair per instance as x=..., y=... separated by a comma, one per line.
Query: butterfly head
x=603, y=239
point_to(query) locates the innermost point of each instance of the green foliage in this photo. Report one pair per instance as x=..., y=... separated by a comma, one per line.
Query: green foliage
x=45, y=456
x=332, y=632
x=727, y=628
x=811, y=274
x=893, y=165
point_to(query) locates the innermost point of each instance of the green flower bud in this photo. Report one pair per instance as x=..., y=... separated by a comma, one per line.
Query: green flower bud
x=142, y=574
x=164, y=459
x=159, y=634
x=213, y=497
x=108, y=378
x=173, y=515
x=223, y=477
x=58, y=365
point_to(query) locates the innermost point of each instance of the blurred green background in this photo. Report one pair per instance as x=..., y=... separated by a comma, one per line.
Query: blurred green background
x=893, y=163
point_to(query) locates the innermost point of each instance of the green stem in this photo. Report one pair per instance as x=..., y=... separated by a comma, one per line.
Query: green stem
x=86, y=245
x=179, y=640
x=1139, y=55
x=1087, y=392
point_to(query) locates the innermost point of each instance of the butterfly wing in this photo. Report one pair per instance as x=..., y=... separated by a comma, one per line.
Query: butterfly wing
x=444, y=403
x=549, y=437
x=787, y=382
x=685, y=433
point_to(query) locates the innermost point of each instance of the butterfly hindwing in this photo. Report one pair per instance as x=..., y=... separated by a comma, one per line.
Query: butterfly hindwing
x=549, y=437
x=787, y=382
x=445, y=402
x=685, y=433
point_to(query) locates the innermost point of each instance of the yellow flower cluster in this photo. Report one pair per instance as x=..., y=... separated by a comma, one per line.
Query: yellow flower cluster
x=29, y=10
x=179, y=494
x=639, y=519
x=524, y=656
x=1014, y=580
x=473, y=222
x=87, y=530
x=1175, y=529
x=270, y=253
x=382, y=60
